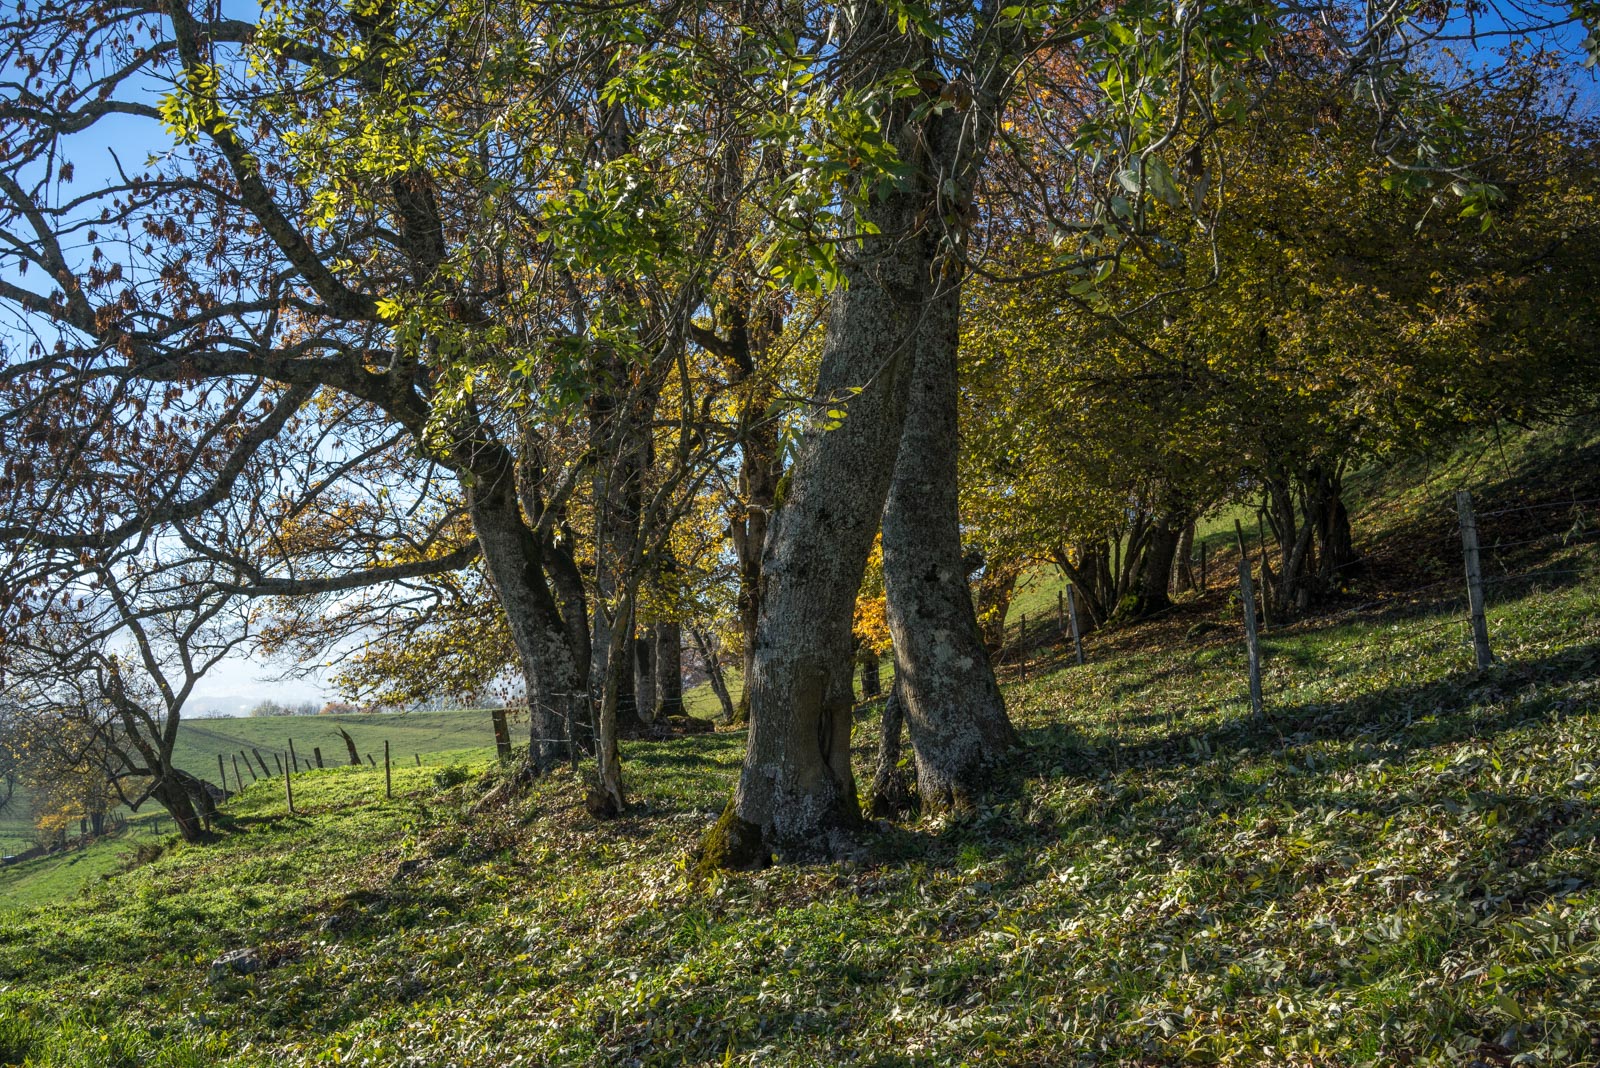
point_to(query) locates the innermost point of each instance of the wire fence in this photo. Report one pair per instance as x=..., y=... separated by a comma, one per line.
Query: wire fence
x=1518, y=559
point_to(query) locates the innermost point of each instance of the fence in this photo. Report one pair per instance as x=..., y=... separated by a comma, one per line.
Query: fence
x=1493, y=546
x=287, y=762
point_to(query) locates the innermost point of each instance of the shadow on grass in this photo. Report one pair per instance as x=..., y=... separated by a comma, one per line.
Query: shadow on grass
x=1007, y=833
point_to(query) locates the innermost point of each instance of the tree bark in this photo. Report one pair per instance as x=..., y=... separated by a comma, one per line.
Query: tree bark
x=758, y=489
x=669, y=669
x=512, y=554
x=1153, y=572
x=871, y=678
x=1183, y=580
x=796, y=795
x=953, y=707
x=349, y=744
x=891, y=792
x=644, y=672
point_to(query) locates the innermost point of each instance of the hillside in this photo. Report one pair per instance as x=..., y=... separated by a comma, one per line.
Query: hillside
x=1398, y=864
x=432, y=735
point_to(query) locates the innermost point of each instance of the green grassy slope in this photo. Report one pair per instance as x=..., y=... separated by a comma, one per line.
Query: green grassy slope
x=1400, y=864
x=435, y=737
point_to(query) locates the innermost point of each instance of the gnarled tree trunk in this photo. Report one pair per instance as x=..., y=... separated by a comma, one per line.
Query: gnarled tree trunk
x=796, y=795
x=953, y=708
x=511, y=551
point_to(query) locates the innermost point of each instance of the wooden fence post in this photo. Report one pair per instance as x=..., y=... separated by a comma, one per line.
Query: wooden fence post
x=293, y=760
x=370, y=761
x=288, y=786
x=222, y=773
x=388, y=782
x=1469, y=553
x=1022, y=644
x=1266, y=596
x=316, y=751
x=502, y=734
x=265, y=772
x=1072, y=621
x=1252, y=643
x=419, y=759
x=237, y=780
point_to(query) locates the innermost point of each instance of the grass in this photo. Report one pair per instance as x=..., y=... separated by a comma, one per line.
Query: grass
x=1398, y=864
x=200, y=741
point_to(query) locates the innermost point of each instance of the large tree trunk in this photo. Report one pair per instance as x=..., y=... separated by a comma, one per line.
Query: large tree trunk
x=556, y=694
x=1153, y=572
x=796, y=795
x=669, y=669
x=758, y=488
x=953, y=708
x=187, y=801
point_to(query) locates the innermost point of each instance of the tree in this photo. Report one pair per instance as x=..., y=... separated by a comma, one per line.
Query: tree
x=100, y=678
x=444, y=287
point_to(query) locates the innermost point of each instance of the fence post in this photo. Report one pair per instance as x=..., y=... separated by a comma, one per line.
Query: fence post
x=1469, y=553
x=502, y=734
x=222, y=773
x=370, y=761
x=288, y=785
x=388, y=781
x=237, y=780
x=278, y=763
x=419, y=759
x=1266, y=588
x=316, y=751
x=294, y=760
x=1072, y=621
x=1022, y=644
x=264, y=770
x=1252, y=643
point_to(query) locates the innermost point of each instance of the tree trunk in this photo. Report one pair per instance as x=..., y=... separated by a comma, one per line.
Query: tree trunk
x=891, y=790
x=606, y=799
x=1184, y=580
x=173, y=794
x=550, y=673
x=349, y=744
x=871, y=681
x=758, y=489
x=1153, y=571
x=669, y=670
x=1339, y=557
x=796, y=795
x=953, y=708
x=644, y=672
x=719, y=682
x=566, y=581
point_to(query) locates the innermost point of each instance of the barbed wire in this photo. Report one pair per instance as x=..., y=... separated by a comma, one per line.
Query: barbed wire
x=1538, y=507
